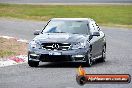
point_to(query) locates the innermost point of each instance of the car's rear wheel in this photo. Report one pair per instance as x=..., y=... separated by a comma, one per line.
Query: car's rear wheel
x=89, y=60
x=102, y=59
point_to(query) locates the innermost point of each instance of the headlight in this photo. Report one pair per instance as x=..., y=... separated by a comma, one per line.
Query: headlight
x=34, y=44
x=78, y=45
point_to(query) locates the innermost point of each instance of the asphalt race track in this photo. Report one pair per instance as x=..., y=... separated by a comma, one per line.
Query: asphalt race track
x=62, y=75
x=65, y=1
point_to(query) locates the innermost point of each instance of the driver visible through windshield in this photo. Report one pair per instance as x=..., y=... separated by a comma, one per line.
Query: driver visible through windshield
x=66, y=26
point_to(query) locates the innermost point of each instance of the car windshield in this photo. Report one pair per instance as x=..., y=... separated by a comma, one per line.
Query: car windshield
x=65, y=26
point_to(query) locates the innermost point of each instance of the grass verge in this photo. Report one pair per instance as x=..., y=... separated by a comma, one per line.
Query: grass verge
x=10, y=47
x=103, y=14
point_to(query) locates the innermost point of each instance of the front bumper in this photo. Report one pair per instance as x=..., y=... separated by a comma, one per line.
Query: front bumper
x=48, y=55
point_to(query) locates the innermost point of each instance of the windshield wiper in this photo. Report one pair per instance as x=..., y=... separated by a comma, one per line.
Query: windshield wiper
x=75, y=33
x=59, y=32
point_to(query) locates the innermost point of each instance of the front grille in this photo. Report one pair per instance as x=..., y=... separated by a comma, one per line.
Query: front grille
x=56, y=46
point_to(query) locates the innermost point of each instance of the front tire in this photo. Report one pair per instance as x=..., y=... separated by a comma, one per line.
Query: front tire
x=33, y=63
x=89, y=60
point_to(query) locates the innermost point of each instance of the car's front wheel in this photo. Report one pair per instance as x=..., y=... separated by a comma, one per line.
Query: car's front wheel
x=33, y=63
x=89, y=60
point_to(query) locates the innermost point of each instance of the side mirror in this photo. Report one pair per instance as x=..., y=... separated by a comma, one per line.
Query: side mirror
x=96, y=34
x=37, y=32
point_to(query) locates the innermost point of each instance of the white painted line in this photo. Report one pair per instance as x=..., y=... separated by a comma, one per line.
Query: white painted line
x=19, y=40
x=7, y=63
x=7, y=37
x=22, y=40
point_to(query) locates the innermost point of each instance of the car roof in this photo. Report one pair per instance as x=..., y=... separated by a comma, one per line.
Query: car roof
x=74, y=19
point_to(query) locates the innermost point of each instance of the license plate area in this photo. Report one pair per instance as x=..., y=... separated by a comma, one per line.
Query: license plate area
x=55, y=53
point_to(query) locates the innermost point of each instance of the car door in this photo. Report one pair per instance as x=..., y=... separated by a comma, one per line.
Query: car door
x=95, y=40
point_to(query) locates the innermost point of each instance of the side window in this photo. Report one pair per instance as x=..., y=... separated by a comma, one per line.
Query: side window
x=88, y=27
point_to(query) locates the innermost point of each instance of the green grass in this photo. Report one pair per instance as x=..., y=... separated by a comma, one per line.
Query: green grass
x=103, y=14
x=4, y=53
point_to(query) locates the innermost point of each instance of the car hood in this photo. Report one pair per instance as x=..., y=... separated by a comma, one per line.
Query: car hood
x=60, y=37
